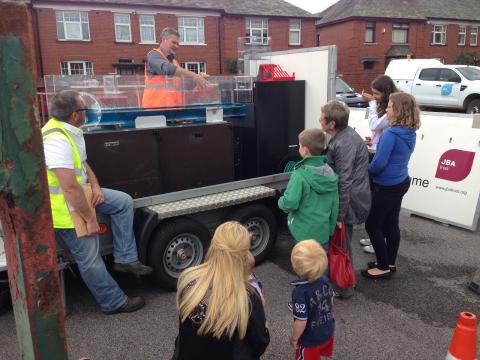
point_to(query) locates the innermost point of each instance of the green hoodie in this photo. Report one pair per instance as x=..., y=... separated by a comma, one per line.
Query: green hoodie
x=311, y=200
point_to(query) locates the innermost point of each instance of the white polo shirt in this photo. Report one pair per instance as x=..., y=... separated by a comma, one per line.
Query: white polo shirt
x=59, y=152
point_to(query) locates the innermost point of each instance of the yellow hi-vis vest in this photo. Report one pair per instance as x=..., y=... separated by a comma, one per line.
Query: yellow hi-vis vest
x=60, y=213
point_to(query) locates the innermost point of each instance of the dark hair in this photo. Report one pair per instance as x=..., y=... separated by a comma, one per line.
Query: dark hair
x=167, y=32
x=386, y=86
x=337, y=112
x=63, y=104
x=313, y=140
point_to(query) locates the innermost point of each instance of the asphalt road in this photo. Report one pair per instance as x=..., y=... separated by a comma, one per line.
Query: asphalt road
x=411, y=316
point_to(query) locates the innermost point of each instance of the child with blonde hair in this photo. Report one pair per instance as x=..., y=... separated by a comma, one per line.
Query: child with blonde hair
x=216, y=306
x=314, y=325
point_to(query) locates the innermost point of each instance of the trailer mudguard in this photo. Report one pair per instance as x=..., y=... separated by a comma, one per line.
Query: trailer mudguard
x=144, y=223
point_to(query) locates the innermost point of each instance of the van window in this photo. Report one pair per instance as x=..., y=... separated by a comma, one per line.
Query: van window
x=448, y=75
x=429, y=74
x=471, y=73
x=342, y=87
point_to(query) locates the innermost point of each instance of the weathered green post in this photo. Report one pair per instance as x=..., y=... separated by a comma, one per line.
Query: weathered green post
x=24, y=203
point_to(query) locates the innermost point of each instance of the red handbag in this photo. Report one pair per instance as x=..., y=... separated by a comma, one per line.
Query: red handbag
x=340, y=268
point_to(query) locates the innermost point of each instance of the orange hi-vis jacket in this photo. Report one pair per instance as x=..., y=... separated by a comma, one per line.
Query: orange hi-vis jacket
x=161, y=91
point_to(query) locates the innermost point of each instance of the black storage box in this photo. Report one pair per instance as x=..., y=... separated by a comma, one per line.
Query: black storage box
x=144, y=162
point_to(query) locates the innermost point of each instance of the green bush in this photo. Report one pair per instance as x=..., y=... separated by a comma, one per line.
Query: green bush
x=466, y=58
x=231, y=65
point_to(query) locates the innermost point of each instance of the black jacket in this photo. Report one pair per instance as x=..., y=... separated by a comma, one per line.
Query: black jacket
x=190, y=346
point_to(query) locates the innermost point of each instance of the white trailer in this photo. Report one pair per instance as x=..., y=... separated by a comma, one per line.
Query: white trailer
x=173, y=230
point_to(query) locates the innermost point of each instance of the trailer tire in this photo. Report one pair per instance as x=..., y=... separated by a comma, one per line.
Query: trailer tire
x=261, y=223
x=177, y=245
x=473, y=106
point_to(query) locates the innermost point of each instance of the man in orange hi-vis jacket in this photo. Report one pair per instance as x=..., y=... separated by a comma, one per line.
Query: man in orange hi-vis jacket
x=160, y=90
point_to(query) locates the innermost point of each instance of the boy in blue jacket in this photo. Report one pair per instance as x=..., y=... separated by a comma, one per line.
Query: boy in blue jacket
x=314, y=325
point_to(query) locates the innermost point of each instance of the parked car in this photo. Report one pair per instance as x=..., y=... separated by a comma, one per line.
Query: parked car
x=436, y=85
x=347, y=94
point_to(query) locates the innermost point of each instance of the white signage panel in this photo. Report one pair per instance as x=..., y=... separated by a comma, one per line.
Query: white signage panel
x=445, y=176
x=444, y=168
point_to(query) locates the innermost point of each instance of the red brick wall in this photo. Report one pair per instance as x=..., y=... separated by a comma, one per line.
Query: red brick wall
x=221, y=35
x=103, y=51
x=278, y=29
x=351, y=48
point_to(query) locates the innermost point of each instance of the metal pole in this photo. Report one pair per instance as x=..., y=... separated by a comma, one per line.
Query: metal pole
x=24, y=201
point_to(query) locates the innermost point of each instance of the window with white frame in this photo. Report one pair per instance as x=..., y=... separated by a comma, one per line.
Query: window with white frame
x=195, y=66
x=462, y=34
x=191, y=30
x=400, y=33
x=147, y=28
x=370, y=32
x=257, y=31
x=474, y=36
x=72, y=25
x=439, y=34
x=295, y=32
x=123, y=31
x=76, y=68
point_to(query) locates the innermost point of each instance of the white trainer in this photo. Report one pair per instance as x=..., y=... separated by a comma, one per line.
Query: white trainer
x=369, y=249
x=365, y=242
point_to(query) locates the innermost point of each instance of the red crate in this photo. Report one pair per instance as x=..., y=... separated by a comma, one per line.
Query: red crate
x=273, y=72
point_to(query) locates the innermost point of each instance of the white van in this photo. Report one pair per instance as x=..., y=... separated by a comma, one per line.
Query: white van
x=436, y=85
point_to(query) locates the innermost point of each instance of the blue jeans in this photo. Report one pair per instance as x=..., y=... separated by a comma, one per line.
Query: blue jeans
x=119, y=206
x=85, y=250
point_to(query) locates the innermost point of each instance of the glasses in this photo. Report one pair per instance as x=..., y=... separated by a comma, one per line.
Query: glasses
x=78, y=110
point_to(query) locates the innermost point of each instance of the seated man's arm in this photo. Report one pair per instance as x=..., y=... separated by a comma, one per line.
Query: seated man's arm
x=75, y=196
x=97, y=194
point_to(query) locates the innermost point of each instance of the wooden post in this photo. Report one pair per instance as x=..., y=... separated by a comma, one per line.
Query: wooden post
x=24, y=201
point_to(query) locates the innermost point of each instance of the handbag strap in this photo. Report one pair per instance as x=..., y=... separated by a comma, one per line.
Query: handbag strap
x=343, y=237
x=340, y=241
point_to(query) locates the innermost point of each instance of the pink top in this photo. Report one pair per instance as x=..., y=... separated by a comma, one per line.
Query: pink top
x=376, y=124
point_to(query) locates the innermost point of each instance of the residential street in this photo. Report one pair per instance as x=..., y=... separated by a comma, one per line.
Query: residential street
x=411, y=316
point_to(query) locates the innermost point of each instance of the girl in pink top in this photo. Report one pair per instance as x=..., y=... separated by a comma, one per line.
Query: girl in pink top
x=382, y=87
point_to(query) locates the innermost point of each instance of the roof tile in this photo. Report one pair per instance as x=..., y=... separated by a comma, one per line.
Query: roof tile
x=467, y=10
x=240, y=7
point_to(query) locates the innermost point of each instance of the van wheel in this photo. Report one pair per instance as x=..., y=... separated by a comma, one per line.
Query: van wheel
x=261, y=223
x=473, y=106
x=176, y=246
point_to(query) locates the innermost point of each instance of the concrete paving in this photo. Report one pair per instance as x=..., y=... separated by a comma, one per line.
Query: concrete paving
x=411, y=316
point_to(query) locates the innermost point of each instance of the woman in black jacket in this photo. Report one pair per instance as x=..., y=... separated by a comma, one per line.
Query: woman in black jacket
x=221, y=315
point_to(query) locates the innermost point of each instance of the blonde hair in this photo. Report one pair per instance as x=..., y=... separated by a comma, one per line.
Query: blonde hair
x=405, y=111
x=309, y=260
x=221, y=282
x=313, y=140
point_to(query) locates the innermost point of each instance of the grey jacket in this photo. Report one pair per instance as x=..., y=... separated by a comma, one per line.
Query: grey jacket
x=348, y=156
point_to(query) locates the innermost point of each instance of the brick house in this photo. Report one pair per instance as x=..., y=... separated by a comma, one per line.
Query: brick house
x=107, y=36
x=369, y=33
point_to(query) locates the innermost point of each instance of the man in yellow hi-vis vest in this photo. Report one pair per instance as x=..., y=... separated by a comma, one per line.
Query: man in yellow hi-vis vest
x=67, y=171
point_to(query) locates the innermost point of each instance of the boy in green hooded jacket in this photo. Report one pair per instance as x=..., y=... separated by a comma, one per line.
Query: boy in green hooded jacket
x=311, y=197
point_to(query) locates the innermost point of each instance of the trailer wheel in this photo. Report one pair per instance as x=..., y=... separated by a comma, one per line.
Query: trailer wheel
x=177, y=245
x=261, y=223
x=473, y=106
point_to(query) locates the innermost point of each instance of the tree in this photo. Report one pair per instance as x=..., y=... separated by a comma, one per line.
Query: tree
x=231, y=66
x=466, y=58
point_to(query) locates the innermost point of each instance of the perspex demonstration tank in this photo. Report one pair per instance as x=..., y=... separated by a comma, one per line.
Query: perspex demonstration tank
x=116, y=100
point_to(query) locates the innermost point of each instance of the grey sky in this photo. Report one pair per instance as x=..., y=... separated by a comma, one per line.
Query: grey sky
x=314, y=6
